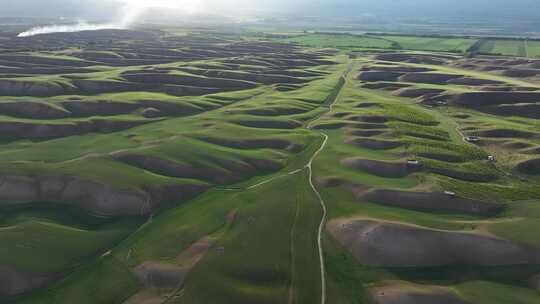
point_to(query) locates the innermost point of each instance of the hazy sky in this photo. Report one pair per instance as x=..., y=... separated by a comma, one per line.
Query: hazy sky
x=90, y=9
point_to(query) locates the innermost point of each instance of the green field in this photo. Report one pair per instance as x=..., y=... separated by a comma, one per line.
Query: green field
x=533, y=48
x=519, y=48
x=459, y=45
x=504, y=47
x=500, y=47
x=340, y=41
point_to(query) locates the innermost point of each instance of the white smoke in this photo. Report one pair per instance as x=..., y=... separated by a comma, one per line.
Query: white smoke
x=131, y=12
x=79, y=27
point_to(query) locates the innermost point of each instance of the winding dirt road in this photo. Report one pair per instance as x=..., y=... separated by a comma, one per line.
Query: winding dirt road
x=309, y=167
x=323, y=219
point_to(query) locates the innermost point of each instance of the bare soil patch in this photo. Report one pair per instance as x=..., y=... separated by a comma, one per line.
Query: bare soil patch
x=479, y=99
x=329, y=126
x=93, y=197
x=261, y=143
x=356, y=189
x=383, y=244
x=416, y=92
x=32, y=110
x=41, y=131
x=408, y=293
x=372, y=76
x=381, y=168
x=367, y=105
x=270, y=124
x=370, y=119
x=506, y=133
x=374, y=144
x=366, y=133
x=433, y=78
x=531, y=167
x=388, y=86
x=14, y=282
x=433, y=202
x=412, y=58
x=469, y=81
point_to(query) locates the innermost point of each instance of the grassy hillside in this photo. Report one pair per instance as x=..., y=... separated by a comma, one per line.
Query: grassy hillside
x=228, y=168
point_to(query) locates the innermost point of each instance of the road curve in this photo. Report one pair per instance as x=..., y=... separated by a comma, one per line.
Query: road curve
x=308, y=166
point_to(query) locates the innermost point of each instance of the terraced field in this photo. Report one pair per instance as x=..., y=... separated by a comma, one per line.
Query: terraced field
x=504, y=47
x=452, y=44
x=144, y=167
x=123, y=131
x=426, y=168
x=340, y=41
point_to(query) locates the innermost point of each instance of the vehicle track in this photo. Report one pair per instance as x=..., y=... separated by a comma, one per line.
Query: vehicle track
x=309, y=166
x=292, y=292
x=323, y=219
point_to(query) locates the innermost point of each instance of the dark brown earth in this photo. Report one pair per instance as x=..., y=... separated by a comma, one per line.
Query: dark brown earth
x=432, y=202
x=32, y=110
x=40, y=131
x=367, y=126
x=433, y=78
x=261, y=143
x=506, y=133
x=382, y=85
x=531, y=167
x=379, y=76
x=479, y=99
x=397, y=68
x=156, y=275
x=356, y=189
x=385, y=244
x=413, y=58
x=368, y=105
x=14, y=282
x=172, y=274
x=366, y=133
x=275, y=111
x=416, y=92
x=91, y=196
x=370, y=119
x=471, y=176
x=13, y=87
x=390, y=292
x=329, y=126
x=374, y=144
x=222, y=171
x=394, y=169
x=270, y=124
x=469, y=81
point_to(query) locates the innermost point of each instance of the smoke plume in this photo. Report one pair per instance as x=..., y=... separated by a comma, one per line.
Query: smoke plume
x=81, y=26
x=131, y=11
